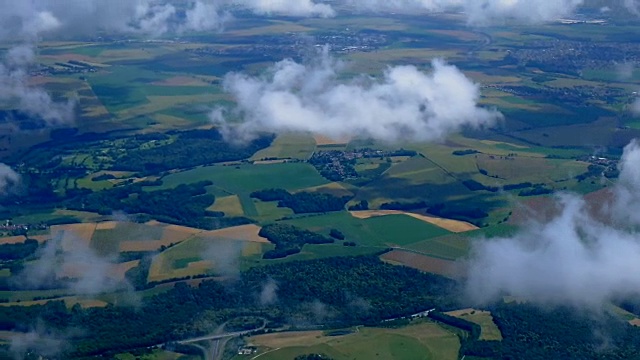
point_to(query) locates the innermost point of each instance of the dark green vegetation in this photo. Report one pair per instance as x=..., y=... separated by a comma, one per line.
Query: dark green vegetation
x=159, y=204
x=390, y=291
x=18, y=251
x=143, y=145
x=187, y=150
x=302, y=202
x=313, y=357
x=289, y=239
x=532, y=333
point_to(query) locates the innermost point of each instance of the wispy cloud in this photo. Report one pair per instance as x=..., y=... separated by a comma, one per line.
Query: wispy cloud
x=572, y=258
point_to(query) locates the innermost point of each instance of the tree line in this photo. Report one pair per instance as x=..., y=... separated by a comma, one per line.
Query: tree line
x=349, y=290
x=302, y=202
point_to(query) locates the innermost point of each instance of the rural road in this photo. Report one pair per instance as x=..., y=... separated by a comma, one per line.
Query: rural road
x=223, y=335
x=216, y=342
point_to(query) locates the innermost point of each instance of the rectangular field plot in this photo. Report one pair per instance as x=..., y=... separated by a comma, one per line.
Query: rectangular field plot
x=422, y=341
x=390, y=230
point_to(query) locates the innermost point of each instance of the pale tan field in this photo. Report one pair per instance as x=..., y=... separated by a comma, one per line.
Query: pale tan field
x=277, y=27
x=181, y=81
x=179, y=231
x=73, y=56
x=151, y=245
x=269, y=162
x=423, y=263
x=243, y=232
x=13, y=240
x=69, y=301
x=120, y=269
x=325, y=140
x=156, y=273
x=288, y=339
x=107, y=225
x=40, y=238
x=456, y=226
x=71, y=234
x=334, y=188
x=460, y=34
x=229, y=205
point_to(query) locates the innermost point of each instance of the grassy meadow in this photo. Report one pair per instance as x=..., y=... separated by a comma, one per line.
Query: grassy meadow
x=418, y=341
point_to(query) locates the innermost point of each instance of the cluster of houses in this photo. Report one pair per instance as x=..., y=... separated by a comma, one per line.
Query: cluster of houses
x=10, y=227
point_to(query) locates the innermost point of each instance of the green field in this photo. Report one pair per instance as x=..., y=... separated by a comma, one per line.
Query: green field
x=288, y=146
x=421, y=341
x=200, y=255
x=247, y=178
x=416, y=179
x=380, y=231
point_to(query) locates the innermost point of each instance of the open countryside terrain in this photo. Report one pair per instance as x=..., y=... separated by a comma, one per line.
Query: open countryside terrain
x=142, y=196
x=422, y=341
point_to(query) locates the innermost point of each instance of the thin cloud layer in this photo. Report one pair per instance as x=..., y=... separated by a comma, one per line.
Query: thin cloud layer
x=9, y=179
x=16, y=93
x=479, y=12
x=635, y=107
x=405, y=104
x=66, y=256
x=39, y=341
x=31, y=19
x=302, y=8
x=571, y=259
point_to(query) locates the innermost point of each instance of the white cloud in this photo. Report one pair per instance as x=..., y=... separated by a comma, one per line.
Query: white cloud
x=35, y=18
x=634, y=107
x=632, y=6
x=40, y=341
x=16, y=93
x=573, y=258
x=9, y=179
x=269, y=293
x=480, y=12
x=405, y=104
x=67, y=256
x=304, y=8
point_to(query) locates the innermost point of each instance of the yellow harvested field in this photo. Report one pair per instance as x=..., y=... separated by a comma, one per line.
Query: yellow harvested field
x=172, y=234
x=334, y=188
x=462, y=35
x=200, y=265
x=151, y=245
x=41, y=238
x=120, y=269
x=490, y=142
x=325, y=140
x=243, y=233
x=288, y=339
x=71, y=234
x=181, y=81
x=182, y=230
x=68, y=301
x=455, y=226
x=156, y=272
x=107, y=225
x=12, y=240
x=269, y=162
x=229, y=205
x=87, y=303
x=8, y=335
x=488, y=329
